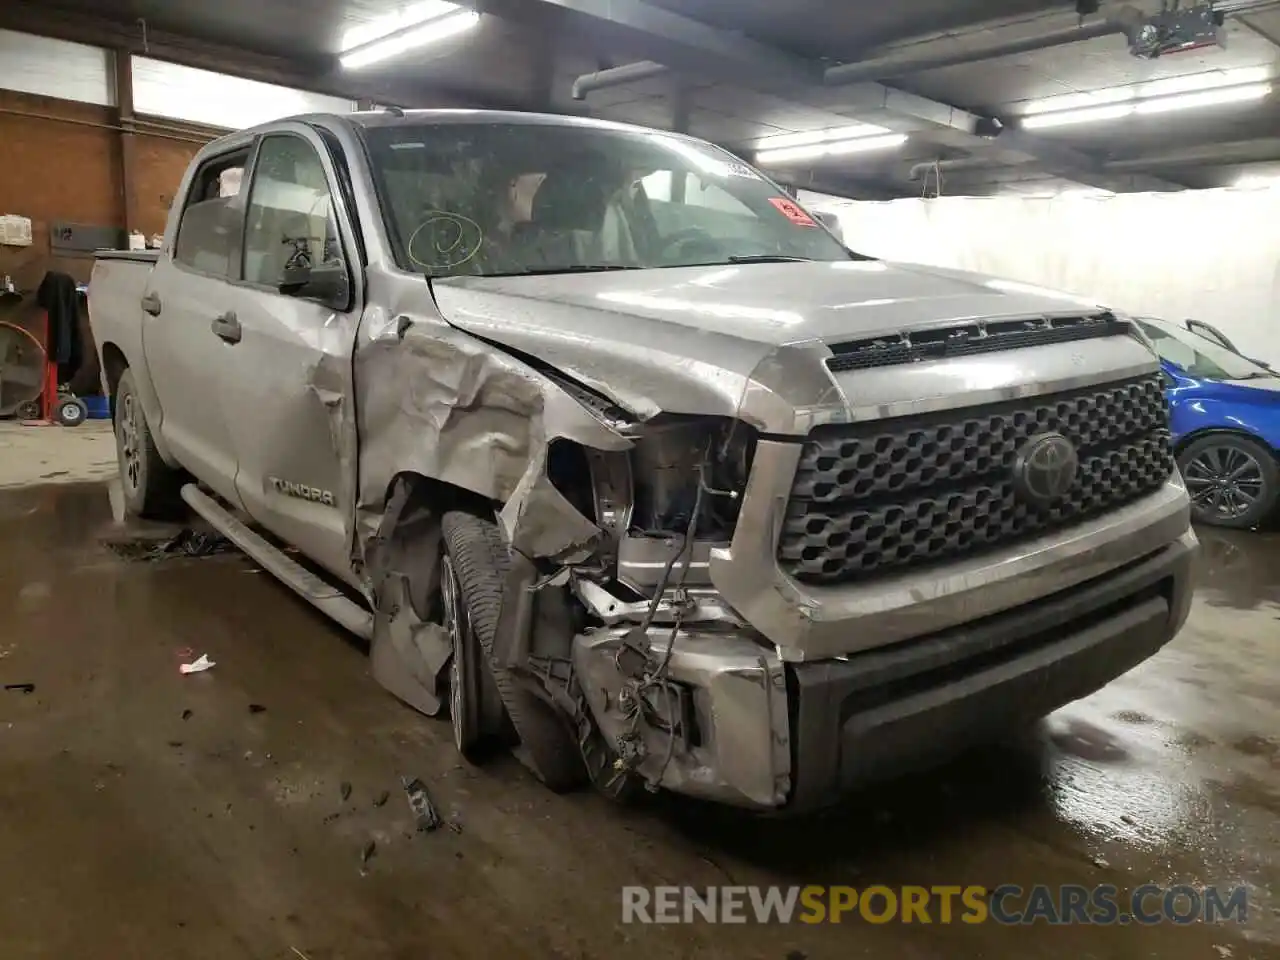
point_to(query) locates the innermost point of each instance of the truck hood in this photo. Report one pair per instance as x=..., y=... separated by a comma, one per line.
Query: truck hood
x=688, y=339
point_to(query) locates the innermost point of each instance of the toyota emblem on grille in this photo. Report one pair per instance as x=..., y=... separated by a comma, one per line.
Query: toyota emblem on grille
x=1045, y=468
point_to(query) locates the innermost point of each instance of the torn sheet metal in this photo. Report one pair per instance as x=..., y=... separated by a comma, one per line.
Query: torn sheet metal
x=743, y=754
x=539, y=522
x=435, y=401
x=408, y=655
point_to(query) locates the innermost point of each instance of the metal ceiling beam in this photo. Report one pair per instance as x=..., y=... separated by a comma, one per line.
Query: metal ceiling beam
x=686, y=45
x=1261, y=150
x=1123, y=20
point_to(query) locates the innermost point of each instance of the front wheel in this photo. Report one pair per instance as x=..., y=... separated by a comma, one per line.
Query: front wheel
x=1231, y=479
x=476, y=558
x=466, y=671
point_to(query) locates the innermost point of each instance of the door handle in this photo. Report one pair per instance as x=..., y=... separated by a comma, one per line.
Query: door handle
x=151, y=304
x=227, y=328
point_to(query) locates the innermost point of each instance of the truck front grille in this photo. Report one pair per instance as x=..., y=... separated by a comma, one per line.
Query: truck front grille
x=876, y=497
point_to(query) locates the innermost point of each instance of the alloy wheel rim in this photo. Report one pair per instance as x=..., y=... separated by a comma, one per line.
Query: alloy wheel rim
x=128, y=433
x=1224, y=481
x=451, y=602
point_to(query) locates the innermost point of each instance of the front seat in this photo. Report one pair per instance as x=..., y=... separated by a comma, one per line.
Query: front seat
x=575, y=220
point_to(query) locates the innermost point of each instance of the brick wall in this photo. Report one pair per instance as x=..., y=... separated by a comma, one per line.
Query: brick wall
x=61, y=161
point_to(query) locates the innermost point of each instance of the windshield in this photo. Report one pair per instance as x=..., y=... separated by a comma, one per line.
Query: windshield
x=1198, y=356
x=501, y=199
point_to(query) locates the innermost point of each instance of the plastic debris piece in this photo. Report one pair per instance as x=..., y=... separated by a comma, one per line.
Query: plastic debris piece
x=367, y=853
x=381, y=799
x=21, y=687
x=197, y=666
x=420, y=803
x=186, y=714
x=345, y=789
x=257, y=708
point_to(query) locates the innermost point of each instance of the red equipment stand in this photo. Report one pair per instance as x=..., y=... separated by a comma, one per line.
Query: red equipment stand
x=49, y=391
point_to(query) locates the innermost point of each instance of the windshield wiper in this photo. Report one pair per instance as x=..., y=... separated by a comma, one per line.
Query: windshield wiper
x=575, y=268
x=768, y=258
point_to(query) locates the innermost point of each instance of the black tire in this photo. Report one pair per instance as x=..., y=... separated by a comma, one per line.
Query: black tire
x=150, y=486
x=28, y=410
x=480, y=559
x=1232, y=480
x=70, y=411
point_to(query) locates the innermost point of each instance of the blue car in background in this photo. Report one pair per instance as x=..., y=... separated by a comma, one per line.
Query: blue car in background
x=1225, y=413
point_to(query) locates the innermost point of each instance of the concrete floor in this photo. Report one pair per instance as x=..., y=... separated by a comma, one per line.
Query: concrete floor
x=144, y=813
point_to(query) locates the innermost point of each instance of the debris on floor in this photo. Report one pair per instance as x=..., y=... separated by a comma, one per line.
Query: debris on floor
x=185, y=543
x=21, y=687
x=199, y=665
x=345, y=789
x=257, y=708
x=367, y=853
x=420, y=803
x=186, y=714
x=381, y=799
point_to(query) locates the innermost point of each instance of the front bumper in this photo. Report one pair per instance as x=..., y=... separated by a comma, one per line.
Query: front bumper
x=796, y=736
x=881, y=713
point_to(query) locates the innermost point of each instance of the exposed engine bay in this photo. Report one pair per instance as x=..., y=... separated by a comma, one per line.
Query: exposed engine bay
x=667, y=502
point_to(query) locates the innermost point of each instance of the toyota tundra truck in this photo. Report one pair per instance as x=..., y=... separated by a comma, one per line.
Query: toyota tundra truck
x=617, y=456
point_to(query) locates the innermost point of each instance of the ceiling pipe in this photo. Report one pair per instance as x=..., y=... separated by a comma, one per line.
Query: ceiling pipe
x=919, y=171
x=615, y=77
x=1124, y=20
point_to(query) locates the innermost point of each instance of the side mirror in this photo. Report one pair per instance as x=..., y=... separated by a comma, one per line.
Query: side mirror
x=326, y=283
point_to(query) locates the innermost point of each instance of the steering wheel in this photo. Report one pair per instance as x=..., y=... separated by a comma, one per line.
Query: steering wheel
x=688, y=237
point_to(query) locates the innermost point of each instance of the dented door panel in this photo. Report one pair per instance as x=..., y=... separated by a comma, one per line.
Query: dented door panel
x=292, y=378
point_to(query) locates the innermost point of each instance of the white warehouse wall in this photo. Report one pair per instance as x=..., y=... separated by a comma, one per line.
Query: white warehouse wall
x=1213, y=255
x=55, y=68
x=199, y=96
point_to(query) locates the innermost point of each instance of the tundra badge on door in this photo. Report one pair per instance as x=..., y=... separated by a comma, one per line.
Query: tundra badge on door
x=302, y=491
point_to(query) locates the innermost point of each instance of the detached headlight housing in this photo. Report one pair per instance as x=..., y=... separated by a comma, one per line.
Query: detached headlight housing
x=673, y=457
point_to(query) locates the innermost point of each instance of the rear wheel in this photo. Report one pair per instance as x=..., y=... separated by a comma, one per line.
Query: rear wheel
x=477, y=560
x=150, y=486
x=1231, y=479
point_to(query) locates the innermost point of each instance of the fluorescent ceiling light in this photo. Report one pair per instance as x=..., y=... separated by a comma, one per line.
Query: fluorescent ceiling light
x=409, y=15
x=1115, y=111
x=398, y=43
x=1257, y=182
x=1086, y=193
x=839, y=148
x=820, y=136
x=1189, y=83
x=1206, y=98
x=1064, y=118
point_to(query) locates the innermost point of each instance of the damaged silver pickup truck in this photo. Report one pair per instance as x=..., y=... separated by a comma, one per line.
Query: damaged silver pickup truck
x=619, y=457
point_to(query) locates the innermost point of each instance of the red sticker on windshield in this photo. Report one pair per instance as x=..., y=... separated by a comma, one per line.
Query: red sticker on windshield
x=791, y=210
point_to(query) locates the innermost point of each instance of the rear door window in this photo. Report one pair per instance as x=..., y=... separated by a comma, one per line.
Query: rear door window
x=209, y=231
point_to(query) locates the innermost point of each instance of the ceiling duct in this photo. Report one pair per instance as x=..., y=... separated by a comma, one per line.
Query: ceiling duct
x=615, y=77
x=1126, y=19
